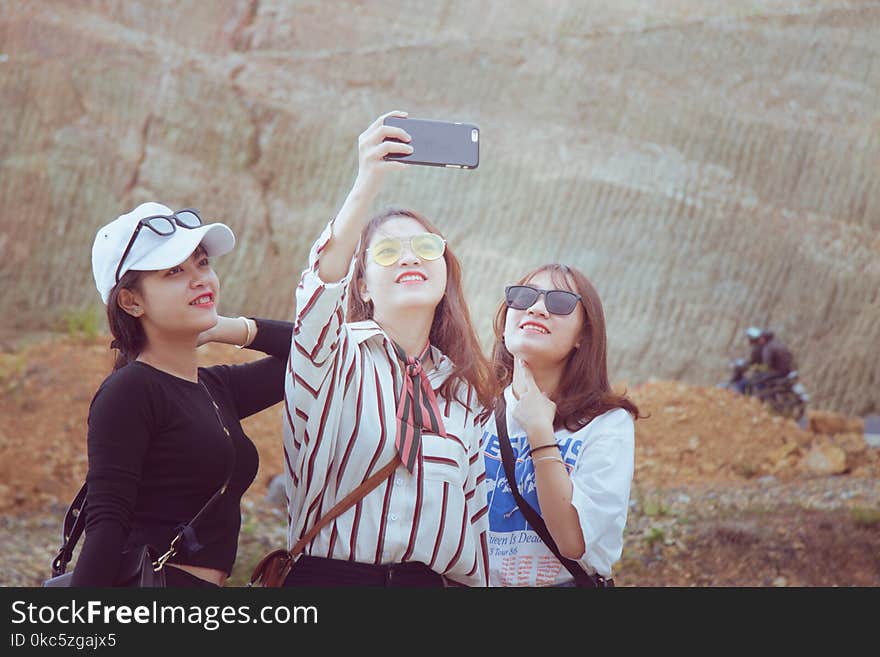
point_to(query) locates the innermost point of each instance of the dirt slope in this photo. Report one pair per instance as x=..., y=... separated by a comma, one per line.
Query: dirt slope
x=725, y=494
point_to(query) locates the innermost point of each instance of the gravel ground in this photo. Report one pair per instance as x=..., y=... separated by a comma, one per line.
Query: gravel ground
x=703, y=535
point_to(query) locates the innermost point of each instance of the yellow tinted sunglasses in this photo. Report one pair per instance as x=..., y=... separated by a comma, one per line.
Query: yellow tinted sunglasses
x=427, y=246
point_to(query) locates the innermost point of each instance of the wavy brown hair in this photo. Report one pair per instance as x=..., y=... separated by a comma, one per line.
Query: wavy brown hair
x=584, y=392
x=451, y=331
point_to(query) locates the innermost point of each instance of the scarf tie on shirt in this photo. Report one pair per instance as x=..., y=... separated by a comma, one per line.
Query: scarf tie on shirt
x=417, y=408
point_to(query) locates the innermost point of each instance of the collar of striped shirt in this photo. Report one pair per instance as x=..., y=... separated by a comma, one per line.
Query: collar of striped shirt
x=370, y=330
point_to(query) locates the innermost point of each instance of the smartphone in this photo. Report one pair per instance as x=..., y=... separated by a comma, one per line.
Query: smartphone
x=439, y=143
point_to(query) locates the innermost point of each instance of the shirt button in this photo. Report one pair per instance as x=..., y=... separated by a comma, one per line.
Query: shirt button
x=392, y=516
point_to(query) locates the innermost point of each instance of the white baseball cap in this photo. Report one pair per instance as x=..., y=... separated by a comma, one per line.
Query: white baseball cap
x=150, y=251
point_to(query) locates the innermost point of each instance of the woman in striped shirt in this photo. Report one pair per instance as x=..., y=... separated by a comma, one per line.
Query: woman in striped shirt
x=385, y=362
x=572, y=437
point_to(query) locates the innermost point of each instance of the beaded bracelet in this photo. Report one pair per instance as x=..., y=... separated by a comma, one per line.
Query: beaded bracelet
x=540, y=447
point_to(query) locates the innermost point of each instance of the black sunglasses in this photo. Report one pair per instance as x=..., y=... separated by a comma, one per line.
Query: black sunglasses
x=162, y=225
x=558, y=302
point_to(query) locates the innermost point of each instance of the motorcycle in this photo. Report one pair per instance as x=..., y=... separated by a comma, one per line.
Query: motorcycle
x=786, y=396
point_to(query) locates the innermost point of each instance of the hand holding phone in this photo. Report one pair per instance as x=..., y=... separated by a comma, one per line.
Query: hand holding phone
x=438, y=143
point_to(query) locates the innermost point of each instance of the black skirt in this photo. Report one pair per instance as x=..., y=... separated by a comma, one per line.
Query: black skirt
x=321, y=572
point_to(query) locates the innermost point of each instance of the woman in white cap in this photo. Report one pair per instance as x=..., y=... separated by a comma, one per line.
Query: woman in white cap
x=164, y=435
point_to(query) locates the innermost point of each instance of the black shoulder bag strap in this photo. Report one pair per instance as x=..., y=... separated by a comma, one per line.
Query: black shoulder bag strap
x=581, y=577
x=75, y=520
x=75, y=523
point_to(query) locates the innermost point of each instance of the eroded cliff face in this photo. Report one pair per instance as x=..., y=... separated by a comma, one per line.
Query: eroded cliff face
x=708, y=167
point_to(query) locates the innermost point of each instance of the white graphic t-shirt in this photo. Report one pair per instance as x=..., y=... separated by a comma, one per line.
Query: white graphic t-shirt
x=600, y=460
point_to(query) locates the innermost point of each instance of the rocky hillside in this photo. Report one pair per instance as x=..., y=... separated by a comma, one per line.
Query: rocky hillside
x=708, y=165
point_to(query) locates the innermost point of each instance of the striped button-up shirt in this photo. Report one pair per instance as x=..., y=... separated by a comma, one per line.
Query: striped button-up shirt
x=340, y=399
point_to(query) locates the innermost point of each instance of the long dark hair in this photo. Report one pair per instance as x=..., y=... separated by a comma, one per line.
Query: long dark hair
x=129, y=338
x=584, y=392
x=451, y=331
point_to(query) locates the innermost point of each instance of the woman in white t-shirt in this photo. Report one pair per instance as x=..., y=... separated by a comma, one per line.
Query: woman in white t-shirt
x=572, y=437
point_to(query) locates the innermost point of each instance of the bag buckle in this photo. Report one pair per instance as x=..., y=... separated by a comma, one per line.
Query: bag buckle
x=159, y=563
x=602, y=582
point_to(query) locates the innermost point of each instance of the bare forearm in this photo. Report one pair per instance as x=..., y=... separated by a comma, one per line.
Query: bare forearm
x=554, y=496
x=231, y=330
x=374, y=144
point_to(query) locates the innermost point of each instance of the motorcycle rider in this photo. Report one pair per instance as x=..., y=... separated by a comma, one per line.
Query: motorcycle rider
x=770, y=359
x=766, y=374
x=753, y=333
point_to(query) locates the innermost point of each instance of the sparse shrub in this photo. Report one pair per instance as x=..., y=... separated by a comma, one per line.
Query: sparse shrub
x=12, y=367
x=82, y=323
x=654, y=508
x=864, y=517
x=655, y=535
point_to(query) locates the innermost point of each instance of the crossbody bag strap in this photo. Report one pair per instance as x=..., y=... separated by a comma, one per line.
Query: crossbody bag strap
x=75, y=524
x=534, y=519
x=346, y=503
x=75, y=518
x=186, y=532
x=71, y=529
x=273, y=568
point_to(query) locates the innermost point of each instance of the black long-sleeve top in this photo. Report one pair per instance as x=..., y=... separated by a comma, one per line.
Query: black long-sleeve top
x=158, y=452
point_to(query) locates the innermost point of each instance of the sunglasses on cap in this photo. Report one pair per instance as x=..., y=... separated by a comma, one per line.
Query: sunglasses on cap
x=557, y=302
x=163, y=225
x=427, y=246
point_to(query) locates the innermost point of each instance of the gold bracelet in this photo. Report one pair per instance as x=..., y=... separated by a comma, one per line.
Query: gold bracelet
x=549, y=458
x=249, y=338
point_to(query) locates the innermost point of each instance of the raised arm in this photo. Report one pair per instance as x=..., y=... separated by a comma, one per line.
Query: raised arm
x=355, y=211
x=321, y=294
